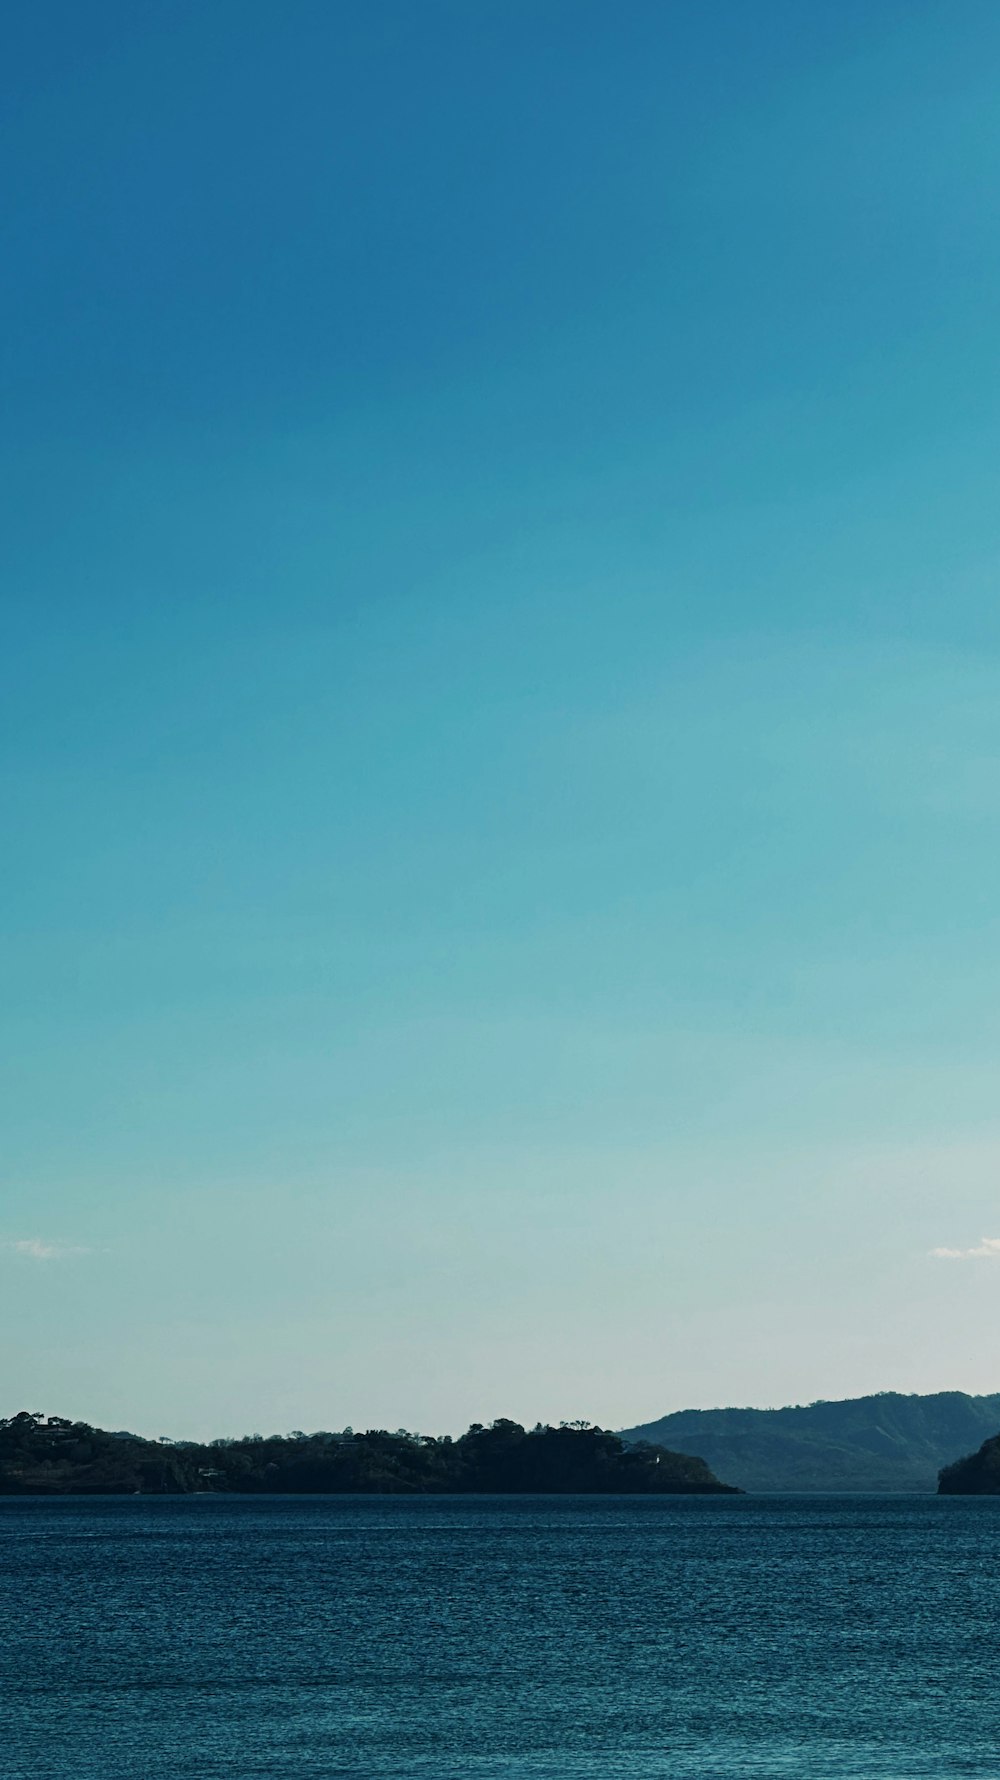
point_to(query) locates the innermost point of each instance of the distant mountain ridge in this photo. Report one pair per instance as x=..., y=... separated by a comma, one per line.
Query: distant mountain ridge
x=884, y=1442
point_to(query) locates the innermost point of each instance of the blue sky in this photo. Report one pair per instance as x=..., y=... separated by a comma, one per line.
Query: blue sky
x=500, y=708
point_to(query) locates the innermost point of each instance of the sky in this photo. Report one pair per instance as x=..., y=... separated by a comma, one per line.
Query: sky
x=499, y=708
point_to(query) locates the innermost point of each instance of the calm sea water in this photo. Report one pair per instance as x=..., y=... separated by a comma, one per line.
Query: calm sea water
x=526, y=1638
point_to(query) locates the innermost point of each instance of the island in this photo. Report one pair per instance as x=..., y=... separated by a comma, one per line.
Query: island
x=51, y=1455
x=976, y=1475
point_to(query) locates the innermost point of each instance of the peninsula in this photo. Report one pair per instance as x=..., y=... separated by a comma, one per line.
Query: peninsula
x=51, y=1455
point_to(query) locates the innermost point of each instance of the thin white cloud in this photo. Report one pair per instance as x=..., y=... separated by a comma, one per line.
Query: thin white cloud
x=987, y=1248
x=38, y=1250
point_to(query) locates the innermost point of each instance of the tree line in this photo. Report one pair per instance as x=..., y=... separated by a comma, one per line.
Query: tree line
x=52, y=1455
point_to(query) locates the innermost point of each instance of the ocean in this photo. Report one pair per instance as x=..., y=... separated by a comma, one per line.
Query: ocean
x=499, y=1638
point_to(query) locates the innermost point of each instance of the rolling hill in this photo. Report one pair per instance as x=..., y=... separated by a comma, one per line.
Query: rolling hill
x=884, y=1442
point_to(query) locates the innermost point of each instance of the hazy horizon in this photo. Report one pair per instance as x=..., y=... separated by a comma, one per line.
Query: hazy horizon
x=362, y=1424
x=500, y=723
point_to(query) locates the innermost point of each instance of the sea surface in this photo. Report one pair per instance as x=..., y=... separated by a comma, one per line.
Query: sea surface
x=500, y=1638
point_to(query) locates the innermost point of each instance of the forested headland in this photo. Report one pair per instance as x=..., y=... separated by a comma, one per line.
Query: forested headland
x=976, y=1475
x=52, y=1455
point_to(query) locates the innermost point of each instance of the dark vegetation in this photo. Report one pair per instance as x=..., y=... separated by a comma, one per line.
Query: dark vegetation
x=884, y=1442
x=976, y=1475
x=42, y=1455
